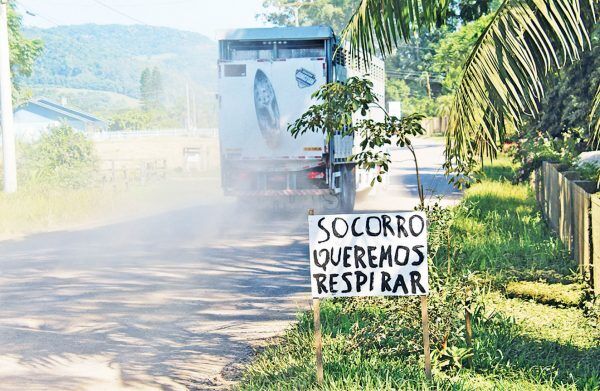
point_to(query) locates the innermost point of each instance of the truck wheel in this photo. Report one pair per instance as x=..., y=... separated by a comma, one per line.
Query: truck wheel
x=347, y=196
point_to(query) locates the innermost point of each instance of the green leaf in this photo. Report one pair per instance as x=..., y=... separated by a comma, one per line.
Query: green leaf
x=504, y=77
x=379, y=25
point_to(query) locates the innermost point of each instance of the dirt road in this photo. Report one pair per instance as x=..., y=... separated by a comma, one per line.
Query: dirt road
x=165, y=301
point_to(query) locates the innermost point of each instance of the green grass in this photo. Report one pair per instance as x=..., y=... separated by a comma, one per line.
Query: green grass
x=502, y=233
x=44, y=208
x=498, y=238
x=38, y=209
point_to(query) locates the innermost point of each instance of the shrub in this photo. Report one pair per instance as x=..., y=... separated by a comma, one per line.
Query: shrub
x=589, y=171
x=130, y=120
x=531, y=150
x=62, y=157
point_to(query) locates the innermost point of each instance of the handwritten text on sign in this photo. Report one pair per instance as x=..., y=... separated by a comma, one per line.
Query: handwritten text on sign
x=381, y=254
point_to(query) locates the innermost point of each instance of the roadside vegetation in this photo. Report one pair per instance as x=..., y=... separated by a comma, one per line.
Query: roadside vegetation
x=62, y=185
x=32, y=210
x=534, y=324
x=55, y=176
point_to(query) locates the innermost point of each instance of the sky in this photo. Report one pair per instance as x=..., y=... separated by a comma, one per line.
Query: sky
x=202, y=16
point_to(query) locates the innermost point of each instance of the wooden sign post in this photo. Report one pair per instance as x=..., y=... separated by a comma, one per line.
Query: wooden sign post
x=426, y=350
x=317, y=323
x=468, y=327
x=318, y=340
x=381, y=254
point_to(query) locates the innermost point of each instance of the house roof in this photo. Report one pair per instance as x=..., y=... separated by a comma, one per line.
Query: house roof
x=62, y=110
x=275, y=33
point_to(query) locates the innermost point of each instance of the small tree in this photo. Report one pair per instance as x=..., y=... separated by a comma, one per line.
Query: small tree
x=156, y=86
x=146, y=89
x=151, y=88
x=134, y=119
x=338, y=103
x=63, y=157
x=23, y=52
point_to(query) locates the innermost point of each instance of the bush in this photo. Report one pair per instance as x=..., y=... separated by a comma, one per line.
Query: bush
x=138, y=119
x=130, y=120
x=589, y=171
x=62, y=157
x=530, y=151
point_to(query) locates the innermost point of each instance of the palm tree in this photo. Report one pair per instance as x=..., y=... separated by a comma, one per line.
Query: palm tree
x=503, y=78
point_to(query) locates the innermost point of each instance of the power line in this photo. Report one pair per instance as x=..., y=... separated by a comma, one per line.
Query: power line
x=161, y=3
x=414, y=73
x=32, y=12
x=400, y=71
x=107, y=6
x=414, y=76
x=421, y=48
x=137, y=20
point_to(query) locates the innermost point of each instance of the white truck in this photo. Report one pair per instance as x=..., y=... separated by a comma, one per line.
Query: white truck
x=266, y=79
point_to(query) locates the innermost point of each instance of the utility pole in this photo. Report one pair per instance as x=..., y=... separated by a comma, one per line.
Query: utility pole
x=188, y=119
x=6, y=114
x=428, y=84
x=194, y=111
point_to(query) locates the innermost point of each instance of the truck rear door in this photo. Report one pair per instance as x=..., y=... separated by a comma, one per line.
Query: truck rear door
x=259, y=98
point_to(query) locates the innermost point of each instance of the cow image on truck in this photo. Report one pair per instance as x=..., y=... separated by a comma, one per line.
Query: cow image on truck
x=266, y=79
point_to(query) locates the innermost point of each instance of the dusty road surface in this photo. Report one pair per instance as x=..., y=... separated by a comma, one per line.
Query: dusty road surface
x=165, y=301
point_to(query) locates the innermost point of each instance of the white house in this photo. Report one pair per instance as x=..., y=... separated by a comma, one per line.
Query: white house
x=36, y=116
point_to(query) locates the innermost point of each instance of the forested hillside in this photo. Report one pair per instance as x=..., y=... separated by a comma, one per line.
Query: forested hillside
x=112, y=58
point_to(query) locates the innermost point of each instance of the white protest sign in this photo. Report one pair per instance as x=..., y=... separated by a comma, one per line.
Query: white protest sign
x=378, y=254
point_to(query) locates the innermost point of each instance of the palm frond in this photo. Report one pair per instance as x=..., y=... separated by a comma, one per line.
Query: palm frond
x=380, y=25
x=595, y=120
x=504, y=77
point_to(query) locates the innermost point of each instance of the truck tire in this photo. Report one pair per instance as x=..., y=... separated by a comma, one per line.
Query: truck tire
x=347, y=195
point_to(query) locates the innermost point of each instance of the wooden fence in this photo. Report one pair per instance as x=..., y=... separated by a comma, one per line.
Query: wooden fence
x=130, y=171
x=135, y=134
x=572, y=210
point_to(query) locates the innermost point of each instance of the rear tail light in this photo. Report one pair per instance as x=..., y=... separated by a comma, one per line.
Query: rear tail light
x=316, y=175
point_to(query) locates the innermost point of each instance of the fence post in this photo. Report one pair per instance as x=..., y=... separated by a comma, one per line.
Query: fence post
x=595, y=259
x=573, y=213
x=582, y=191
x=553, y=196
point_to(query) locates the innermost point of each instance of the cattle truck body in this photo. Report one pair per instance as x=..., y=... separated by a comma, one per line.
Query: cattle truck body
x=266, y=79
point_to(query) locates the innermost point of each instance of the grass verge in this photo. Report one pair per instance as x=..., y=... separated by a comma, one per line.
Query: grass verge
x=31, y=210
x=497, y=237
x=45, y=208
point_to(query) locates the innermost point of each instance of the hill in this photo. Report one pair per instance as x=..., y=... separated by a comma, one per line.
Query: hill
x=112, y=57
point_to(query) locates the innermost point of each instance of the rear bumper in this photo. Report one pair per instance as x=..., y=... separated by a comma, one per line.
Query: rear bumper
x=280, y=193
x=274, y=181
